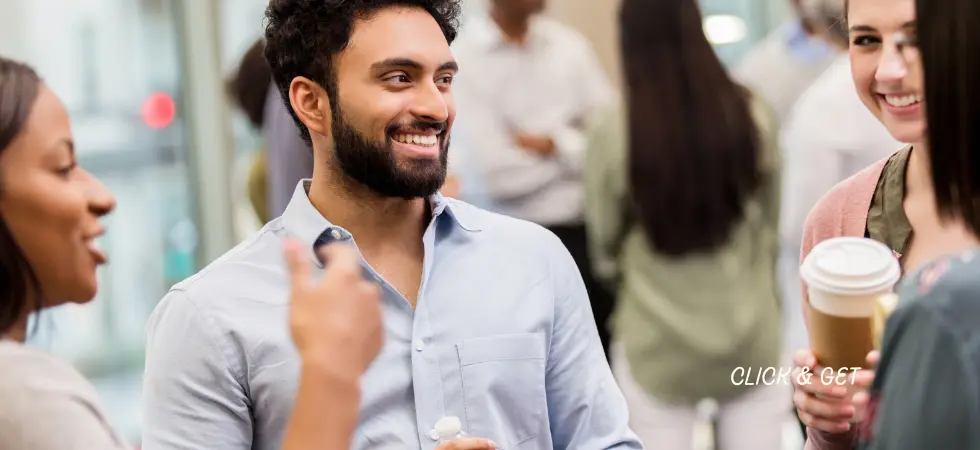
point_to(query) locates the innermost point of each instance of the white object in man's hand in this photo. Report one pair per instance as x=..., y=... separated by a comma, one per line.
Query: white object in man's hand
x=335, y=321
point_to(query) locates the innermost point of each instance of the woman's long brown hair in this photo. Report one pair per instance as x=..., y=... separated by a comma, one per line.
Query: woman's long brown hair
x=693, y=144
x=19, y=287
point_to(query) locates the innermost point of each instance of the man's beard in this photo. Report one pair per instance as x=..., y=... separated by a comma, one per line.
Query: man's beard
x=373, y=164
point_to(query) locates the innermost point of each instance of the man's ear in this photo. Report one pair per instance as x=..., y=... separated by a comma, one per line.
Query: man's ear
x=311, y=103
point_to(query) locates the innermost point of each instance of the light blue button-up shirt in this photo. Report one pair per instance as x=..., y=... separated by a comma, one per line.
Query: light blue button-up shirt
x=503, y=338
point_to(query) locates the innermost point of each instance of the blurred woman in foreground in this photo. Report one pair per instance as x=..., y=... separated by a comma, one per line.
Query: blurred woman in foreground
x=682, y=190
x=49, y=223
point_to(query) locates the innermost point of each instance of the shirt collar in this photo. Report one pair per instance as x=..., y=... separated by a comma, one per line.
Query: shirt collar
x=305, y=223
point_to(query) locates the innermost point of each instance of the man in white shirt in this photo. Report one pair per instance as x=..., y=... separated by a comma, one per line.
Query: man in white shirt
x=783, y=65
x=829, y=136
x=529, y=88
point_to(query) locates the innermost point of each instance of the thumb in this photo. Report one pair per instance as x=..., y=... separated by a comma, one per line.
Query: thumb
x=340, y=258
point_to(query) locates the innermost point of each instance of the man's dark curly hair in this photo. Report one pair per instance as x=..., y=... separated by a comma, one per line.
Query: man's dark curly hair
x=303, y=36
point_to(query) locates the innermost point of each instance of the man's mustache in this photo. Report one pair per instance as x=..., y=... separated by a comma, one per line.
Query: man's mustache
x=420, y=125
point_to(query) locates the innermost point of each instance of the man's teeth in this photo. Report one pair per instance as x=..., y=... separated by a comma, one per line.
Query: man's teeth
x=903, y=100
x=417, y=139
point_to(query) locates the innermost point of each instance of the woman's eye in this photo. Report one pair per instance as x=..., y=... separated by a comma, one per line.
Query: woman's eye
x=861, y=41
x=67, y=170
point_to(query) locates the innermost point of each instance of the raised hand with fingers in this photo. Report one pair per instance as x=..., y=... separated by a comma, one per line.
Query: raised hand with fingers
x=336, y=319
x=336, y=326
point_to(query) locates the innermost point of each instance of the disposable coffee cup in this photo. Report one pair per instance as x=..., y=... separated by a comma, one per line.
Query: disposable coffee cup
x=850, y=282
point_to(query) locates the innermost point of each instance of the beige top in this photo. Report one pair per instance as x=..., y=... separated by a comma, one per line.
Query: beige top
x=45, y=404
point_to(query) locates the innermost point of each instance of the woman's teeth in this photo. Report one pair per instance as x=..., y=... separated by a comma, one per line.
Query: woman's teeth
x=903, y=100
x=417, y=139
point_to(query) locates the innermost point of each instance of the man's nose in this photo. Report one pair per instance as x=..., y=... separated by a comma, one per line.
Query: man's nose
x=430, y=104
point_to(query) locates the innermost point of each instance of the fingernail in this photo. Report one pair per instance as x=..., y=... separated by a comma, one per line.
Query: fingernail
x=493, y=444
x=810, y=361
x=840, y=391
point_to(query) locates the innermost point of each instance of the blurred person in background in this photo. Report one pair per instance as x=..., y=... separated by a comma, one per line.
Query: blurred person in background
x=248, y=89
x=784, y=64
x=49, y=223
x=487, y=321
x=893, y=201
x=683, y=207
x=926, y=392
x=530, y=88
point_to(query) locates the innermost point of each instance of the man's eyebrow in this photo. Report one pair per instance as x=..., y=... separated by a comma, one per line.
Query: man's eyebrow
x=392, y=63
x=406, y=63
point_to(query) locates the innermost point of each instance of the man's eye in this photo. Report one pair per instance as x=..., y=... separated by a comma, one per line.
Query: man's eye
x=398, y=78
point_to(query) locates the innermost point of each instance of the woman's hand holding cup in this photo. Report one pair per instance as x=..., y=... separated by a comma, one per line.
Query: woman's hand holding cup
x=826, y=404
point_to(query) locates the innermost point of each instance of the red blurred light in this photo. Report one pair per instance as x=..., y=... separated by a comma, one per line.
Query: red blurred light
x=159, y=111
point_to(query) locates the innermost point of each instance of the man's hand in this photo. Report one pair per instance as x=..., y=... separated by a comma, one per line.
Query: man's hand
x=468, y=444
x=335, y=321
x=831, y=407
x=538, y=145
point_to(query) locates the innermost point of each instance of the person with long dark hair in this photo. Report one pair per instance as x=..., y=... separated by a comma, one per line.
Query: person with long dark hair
x=49, y=226
x=683, y=207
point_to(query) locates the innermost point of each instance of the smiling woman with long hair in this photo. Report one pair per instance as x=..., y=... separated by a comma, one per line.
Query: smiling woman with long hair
x=682, y=189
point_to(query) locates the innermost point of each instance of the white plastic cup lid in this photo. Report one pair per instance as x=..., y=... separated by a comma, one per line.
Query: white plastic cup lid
x=851, y=266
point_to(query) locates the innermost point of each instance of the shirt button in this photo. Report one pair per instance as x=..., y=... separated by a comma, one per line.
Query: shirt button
x=419, y=345
x=335, y=234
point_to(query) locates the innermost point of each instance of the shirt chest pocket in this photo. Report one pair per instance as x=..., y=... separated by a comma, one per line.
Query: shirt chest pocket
x=504, y=387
